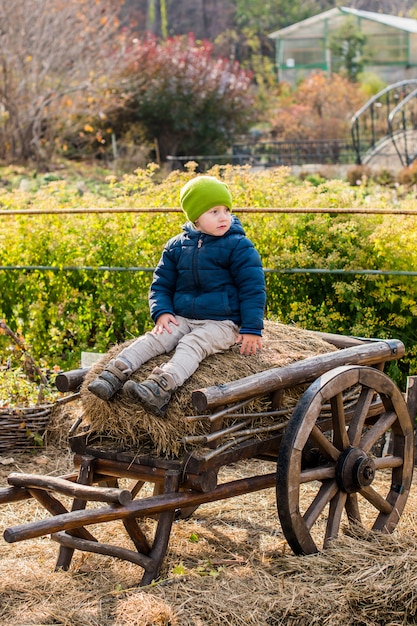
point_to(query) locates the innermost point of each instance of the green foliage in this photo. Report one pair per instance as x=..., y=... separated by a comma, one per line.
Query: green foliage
x=207, y=568
x=370, y=83
x=179, y=570
x=269, y=15
x=384, y=177
x=17, y=390
x=62, y=312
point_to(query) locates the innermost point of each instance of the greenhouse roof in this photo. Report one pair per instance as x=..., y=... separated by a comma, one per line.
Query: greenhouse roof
x=400, y=23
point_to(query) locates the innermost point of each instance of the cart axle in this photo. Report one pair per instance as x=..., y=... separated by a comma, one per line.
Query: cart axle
x=354, y=470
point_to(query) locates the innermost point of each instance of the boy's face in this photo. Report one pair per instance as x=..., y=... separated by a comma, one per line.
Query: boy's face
x=215, y=221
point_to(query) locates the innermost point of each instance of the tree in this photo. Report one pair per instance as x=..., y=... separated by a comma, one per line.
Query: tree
x=247, y=40
x=182, y=97
x=346, y=45
x=320, y=109
x=262, y=18
x=205, y=18
x=51, y=51
x=152, y=23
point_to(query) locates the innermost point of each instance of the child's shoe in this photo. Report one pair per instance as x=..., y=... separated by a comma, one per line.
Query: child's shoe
x=154, y=393
x=111, y=379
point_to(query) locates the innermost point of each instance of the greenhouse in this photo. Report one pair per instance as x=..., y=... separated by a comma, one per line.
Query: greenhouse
x=390, y=48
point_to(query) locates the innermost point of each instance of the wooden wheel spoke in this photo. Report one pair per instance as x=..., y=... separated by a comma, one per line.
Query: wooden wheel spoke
x=337, y=504
x=352, y=509
x=340, y=438
x=372, y=435
x=360, y=414
x=326, y=492
x=317, y=473
x=389, y=461
x=376, y=500
x=328, y=450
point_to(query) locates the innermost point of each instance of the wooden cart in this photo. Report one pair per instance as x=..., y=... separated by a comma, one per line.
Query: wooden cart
x=351, y=426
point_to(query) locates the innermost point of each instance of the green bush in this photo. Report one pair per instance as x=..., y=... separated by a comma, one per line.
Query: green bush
x=62, y=312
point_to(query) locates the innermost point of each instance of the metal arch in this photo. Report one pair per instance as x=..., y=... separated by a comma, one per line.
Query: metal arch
x=381, y=93
x=395, y=110
x=355, y=131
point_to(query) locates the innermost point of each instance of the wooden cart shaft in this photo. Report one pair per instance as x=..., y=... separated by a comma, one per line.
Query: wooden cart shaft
x=136, y=509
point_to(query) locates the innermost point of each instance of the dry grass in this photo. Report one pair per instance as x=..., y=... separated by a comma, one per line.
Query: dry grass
x=229, y=564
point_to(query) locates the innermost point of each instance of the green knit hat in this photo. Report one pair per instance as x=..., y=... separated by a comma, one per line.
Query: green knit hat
x=203, y=193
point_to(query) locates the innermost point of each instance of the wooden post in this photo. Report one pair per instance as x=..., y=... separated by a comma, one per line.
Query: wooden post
x=411, y=400
x=163, y=530
x=85, y=477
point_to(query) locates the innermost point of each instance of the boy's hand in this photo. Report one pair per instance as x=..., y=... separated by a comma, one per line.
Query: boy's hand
x=163, y=322
x=249, y=344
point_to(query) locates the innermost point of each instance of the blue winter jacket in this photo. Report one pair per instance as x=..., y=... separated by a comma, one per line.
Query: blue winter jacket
x=201, y=276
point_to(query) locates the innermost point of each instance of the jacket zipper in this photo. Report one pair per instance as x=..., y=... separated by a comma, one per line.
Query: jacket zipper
x=195, y=272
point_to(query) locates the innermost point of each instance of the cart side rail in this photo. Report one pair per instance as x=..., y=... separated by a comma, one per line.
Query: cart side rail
x=304, y=371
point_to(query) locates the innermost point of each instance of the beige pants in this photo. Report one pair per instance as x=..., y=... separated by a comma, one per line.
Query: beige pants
x=193, y=340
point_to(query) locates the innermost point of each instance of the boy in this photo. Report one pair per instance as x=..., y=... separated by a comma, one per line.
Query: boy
x=208, y=293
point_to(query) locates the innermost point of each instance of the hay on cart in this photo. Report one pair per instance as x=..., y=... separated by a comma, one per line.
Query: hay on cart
x=129, y=425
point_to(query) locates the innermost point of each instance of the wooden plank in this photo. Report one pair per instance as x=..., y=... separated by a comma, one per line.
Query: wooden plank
x=411, y=400
x=126, y=458
x=137, y=535
x=198, y=463
x=113, y=467
x=163, y=530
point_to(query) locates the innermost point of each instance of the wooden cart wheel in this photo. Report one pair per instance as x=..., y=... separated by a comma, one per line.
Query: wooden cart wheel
x=329, y=462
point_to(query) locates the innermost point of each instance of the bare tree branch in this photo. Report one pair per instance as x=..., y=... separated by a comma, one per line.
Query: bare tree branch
x=50, y=49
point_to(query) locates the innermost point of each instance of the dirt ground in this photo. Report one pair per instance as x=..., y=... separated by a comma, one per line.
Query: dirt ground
x=228, y=564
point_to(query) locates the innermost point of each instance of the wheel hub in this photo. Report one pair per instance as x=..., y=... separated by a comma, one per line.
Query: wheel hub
x=354, y=470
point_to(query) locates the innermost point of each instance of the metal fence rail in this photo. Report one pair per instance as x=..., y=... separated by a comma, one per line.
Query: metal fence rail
x=289, y=210
x=275, y=154
x=292, y=270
